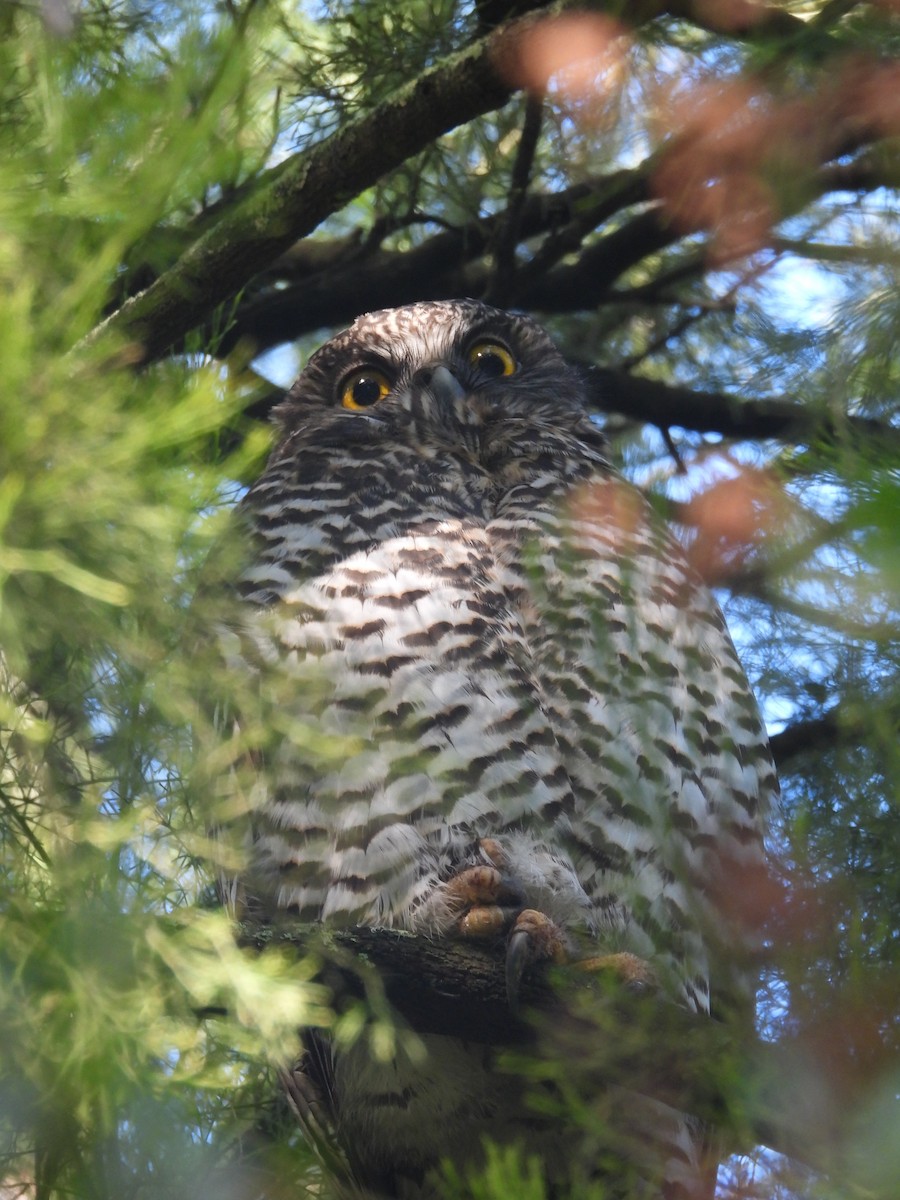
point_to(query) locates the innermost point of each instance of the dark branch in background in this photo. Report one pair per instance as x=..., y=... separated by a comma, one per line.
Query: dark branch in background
x=876, y=256
x=588, y=282
x=692, y=313
x=815, y=734
x=500, y=289
x=848, y=722
x=452, y=264
x=758, y=583
x=445, y=266
x=665, y=404
x=165, y=245
x=332, y=281
x=750, y=21
x=291, y=200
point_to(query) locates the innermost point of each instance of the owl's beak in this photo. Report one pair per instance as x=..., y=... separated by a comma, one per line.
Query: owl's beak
x=446, y=388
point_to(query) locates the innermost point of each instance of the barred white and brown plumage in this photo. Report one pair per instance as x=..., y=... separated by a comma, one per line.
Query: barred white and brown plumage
x=469, y=627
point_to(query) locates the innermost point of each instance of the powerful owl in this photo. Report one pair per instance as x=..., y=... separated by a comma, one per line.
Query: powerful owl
x=502, y=706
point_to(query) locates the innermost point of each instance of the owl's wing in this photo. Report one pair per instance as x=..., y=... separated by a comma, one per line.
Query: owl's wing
x=659, y=731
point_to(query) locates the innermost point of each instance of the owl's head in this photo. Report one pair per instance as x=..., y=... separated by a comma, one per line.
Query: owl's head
x=443, y=367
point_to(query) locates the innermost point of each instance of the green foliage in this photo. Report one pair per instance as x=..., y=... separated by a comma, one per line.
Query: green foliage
x=111, y=491
x=507, y=1172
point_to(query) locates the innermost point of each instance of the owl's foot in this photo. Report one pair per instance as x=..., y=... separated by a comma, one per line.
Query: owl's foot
x=534, y=938
x=487, y=900
x=490, y=902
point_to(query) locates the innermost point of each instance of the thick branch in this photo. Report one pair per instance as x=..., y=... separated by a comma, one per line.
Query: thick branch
x=293, y=198
x=757, y=582
x=816, y=733
x=458, y=989
x=744, y=21
x=289, y=201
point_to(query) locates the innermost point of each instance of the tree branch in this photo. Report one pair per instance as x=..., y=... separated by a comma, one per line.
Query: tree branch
x=437, y=269
x=715, y=412
x=815, y=733
x=458, y=989
x=849, y=721
x=290, y=200
x=509, y=231
x=878, y=255
x=448, y=264
x=757, y=583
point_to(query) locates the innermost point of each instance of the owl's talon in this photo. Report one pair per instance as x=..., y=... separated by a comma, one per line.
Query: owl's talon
x=534, y=937
x=518, y=955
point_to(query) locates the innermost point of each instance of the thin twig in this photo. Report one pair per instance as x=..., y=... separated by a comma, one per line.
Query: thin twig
x=500, y=289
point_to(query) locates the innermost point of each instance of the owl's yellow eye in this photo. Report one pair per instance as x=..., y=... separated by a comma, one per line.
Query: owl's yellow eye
x=492, y=359
x=363, y=388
